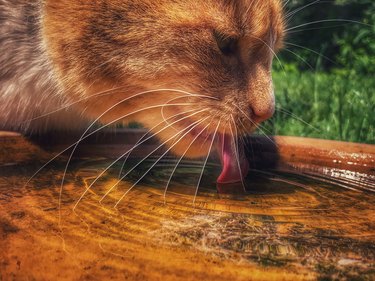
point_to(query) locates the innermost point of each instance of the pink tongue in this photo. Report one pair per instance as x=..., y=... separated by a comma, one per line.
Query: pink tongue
x=234, y=168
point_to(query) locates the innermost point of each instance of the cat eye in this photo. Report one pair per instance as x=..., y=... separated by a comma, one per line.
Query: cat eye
x=226, y=44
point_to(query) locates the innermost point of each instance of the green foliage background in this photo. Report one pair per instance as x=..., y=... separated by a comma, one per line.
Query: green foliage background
x=325, y=82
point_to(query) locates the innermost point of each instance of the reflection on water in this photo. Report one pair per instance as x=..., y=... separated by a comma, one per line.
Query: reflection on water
x=301, y=219
x=317, y=217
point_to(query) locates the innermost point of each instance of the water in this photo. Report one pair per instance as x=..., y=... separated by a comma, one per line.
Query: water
x=304, y=221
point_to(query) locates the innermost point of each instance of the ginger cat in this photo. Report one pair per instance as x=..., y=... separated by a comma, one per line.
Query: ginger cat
x=198, y=69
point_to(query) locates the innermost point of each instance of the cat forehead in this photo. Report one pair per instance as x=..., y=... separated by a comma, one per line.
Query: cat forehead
x=229, y=16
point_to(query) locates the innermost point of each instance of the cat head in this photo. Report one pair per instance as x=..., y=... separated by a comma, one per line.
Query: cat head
x=199, y=65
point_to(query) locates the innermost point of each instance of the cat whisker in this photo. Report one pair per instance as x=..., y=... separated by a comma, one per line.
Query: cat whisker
x=313, y=51
x=286, y=3
x=101, y=115
x=296, y=117
x=179, y=161
x=301, y=58
x=327, y=20
x=258, y=126
x=193, y=125
x=149, y=131
x=164, y=120
x=246, y=140
x=318, y=28
x=128, y=153
x=74, y=146
x=237, y=154
x=163, y=108
x=273, y=52
x=262, y=131
x=205, y=161
x=243, y=133
x=289, y=15
x=92, y=124
x=206, y=138
x=143, y=159
x=109, y=92
x=93, y=132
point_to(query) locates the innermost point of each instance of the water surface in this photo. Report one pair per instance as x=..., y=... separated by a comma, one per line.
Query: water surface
x=302, y=222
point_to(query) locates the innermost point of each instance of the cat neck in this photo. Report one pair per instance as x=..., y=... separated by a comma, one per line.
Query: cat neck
x=28, y=86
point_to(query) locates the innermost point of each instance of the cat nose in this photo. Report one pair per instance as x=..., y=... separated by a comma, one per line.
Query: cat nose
x=263, y=109
x=261, y=95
